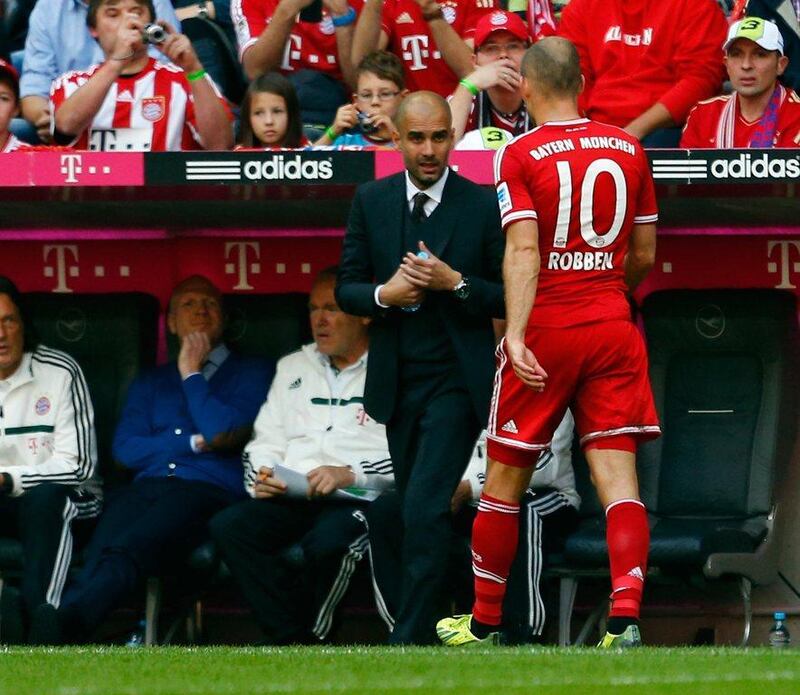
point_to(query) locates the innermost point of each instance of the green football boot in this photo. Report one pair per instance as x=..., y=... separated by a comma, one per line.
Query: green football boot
x=456, y=632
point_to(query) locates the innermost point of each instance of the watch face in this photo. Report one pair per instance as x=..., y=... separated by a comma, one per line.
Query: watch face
x=462, y=291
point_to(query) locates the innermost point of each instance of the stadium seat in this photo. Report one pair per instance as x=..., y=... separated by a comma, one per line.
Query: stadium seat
x=268, y=326
x=722, y=371
x=111, y=337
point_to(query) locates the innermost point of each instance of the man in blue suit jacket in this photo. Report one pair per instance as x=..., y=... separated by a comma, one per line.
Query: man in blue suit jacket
x=422, y=257
x=182, y=433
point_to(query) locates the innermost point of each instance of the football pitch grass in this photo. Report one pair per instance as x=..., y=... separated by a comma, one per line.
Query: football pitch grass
x=252, y=671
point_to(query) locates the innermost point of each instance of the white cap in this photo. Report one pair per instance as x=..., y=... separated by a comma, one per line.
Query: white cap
x=761, y=31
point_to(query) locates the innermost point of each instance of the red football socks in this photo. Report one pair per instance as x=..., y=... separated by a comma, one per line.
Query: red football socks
x=494, y=543
x=628, y=537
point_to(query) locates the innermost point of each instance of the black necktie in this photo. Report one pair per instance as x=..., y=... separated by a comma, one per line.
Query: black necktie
x=418, y=213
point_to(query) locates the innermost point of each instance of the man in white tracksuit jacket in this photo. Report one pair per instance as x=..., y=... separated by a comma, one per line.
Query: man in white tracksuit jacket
x=313, y=424
x=48, y=456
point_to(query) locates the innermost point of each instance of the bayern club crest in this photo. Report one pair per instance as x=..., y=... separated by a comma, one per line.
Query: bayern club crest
x=42, y=406
x=449, y=14
x=498, y=19
x=153, y=108
x=326, y=25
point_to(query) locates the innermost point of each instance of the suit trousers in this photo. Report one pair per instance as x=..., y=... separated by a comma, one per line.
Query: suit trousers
x=431, y=436
x=293, y=560
x=148, y=529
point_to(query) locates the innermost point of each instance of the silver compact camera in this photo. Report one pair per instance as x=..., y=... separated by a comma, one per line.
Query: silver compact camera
x=154, y=34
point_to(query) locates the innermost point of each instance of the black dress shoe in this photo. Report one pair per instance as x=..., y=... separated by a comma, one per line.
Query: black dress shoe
x=46, y=628
x=12, y=622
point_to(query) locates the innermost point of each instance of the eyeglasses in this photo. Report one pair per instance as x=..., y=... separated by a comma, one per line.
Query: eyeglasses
x=367, y=97
x=494, y=49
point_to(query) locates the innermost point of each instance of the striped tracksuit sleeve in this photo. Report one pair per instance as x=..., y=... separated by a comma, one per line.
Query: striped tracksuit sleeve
x=74, y=454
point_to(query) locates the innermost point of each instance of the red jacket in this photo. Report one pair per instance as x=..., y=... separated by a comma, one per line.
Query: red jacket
x=635, y=53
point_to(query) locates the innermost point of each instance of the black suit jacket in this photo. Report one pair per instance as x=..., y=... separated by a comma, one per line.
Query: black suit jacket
x=469, y=239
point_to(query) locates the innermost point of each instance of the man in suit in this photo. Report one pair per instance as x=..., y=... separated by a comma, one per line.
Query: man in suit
x=422, y=258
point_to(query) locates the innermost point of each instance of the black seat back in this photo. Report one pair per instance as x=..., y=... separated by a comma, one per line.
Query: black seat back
x=111, y=336
x=719, y=367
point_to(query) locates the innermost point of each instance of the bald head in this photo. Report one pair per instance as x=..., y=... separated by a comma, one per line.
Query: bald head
x=552, y=64
x=428, y=106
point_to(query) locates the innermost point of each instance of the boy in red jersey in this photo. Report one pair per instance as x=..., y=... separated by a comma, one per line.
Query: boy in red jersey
x=579, y=210
x=132, y=102
x=760, y=112
x=9, y=106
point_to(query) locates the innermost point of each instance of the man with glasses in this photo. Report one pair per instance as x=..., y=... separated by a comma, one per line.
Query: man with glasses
x=490, y=97
x=369, y=120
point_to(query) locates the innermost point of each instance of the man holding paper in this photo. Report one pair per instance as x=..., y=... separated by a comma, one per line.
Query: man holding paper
x=315, y=458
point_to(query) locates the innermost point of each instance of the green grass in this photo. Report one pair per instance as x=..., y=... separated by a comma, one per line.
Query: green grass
x=251, y=671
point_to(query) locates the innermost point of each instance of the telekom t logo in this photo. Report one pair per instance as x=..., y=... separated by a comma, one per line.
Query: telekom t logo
x=415, y=48
x=240, y=266
x=61, y=270
x=294, y=46
x=787, y=267
x=71, y=167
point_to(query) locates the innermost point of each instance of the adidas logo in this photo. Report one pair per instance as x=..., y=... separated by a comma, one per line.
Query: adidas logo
x=125, y=95
x=296, y=383
x=636, y=572
x=510, y=426
x=404, y=18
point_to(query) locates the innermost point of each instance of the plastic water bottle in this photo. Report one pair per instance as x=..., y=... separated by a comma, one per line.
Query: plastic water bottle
x=136, y=638
x=415, y=307
x=779, y=637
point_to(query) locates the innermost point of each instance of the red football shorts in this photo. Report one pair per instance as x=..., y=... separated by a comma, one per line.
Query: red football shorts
x=599, y=370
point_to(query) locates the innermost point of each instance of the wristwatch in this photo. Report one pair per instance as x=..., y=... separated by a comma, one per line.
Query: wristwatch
x=203, y=11
x=461, y=290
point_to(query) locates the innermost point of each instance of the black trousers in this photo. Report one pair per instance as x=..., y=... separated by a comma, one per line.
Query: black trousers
x=45, y=519
x=546, y=519
x=293, y=595
x=147, y=529
x=431, y=437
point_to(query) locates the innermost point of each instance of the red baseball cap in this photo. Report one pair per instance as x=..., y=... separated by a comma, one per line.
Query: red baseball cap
x=500, y=20
x=8, y=70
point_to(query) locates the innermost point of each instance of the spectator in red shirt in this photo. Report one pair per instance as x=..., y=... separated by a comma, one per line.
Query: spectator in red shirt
x=9, y=106
x=646, y=63
x=315, y=55
x=131, y=102
x=490, y=96
x=433, y=39
x=760, y=112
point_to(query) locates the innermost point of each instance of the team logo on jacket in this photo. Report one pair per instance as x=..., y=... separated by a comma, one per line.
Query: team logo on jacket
x=42, y=406
x=153, y=108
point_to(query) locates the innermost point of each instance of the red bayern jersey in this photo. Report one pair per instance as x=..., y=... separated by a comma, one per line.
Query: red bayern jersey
x=410, y=39
x=701, y=126
x=310, y=45
x=12, y=144
x=151, y=111
x=586, y=184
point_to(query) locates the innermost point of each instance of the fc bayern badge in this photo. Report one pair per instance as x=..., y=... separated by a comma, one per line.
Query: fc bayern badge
x=326, y=25
x=449, y=14
x=42, y=406
x=498, y=19
x=153, y=108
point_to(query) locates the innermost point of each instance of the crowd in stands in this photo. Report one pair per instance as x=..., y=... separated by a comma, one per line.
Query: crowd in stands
x=144, y=75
